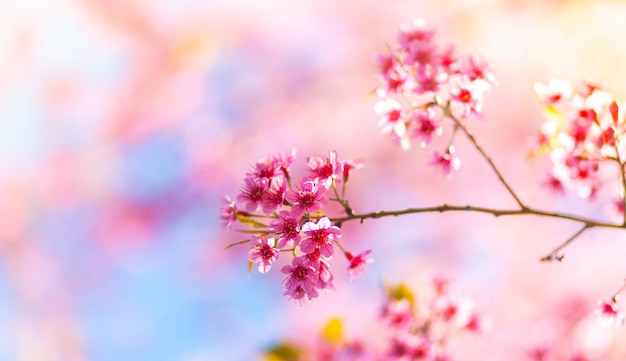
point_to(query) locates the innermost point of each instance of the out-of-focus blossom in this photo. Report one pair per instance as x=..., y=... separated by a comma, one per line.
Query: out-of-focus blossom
x=445, y=161
x=358, y=263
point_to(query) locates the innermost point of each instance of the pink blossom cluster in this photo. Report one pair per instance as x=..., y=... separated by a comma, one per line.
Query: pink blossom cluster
x=413, y=331
x=576, y=335
x=423, y=84
x=420, y=332
x=584, y=133
x=292, y=220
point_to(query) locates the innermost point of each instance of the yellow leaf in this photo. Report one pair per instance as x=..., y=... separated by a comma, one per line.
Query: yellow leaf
x=333, y=331
x=249, y=221
x=401, y=292
x=250, y=264
x=551, y=113
x=283, y=352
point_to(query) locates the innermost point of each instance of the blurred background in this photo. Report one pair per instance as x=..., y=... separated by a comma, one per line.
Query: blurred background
x=123, y=123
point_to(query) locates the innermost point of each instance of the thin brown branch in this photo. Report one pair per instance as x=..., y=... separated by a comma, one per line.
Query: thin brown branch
x=470, y=136
x=554, y=255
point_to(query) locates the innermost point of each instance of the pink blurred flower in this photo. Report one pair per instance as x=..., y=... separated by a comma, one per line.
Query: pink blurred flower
x=424, y=126
x=416, y=41
x=409, y=346
x=608, y=310
x=251, y=195
x=263, y=252
x=391, y=121
x=476, y=68
x=302, y=278
x=286, y=229
x=347, y=165
x=429, y=79
x=539, y=353
x=466, y=100
x=228, y=213
x=265, y=169
x=319, y=236
x=554, y=92
x=397, y=313
x=555, y=185
x=446, y=161
x=358, y=262
x=309, y=198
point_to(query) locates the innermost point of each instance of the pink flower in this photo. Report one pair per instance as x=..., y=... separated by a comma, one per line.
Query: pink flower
x=302, y=278
x=429, y=78
x=391, y=121
x=555, y=185
x=265, y=169
x=448, y=60
x=467, y=100
x=252, y=193
x=410, y=346
x=418, y=31
x=228, y=213
x=347, y=165
x=397, y=313
x=286, y=229
x=319, y=236
x=309, y=198
x=323, y=168
x=323, y=265
x=358, y=262
x=476, y=323
x=273, y=167
x=476, y=68
x=263, y=252
x=446, y=161
x=285, y=160
x=608, y=310
x=274, y=196
x=440, y=284
x=539, y=353
x=416, y=41
x=554, y=92
x=424, y=126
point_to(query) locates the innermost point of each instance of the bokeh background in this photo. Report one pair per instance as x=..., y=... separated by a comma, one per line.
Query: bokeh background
x=123, y=123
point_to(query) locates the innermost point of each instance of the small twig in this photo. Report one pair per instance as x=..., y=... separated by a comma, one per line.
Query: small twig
x=615, y=297
x=554, y=254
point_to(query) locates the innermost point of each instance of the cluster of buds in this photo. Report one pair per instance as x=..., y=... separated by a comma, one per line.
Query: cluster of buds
x=422, y=85
x=414, y=332
x=583, y=131
x=292, y=220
